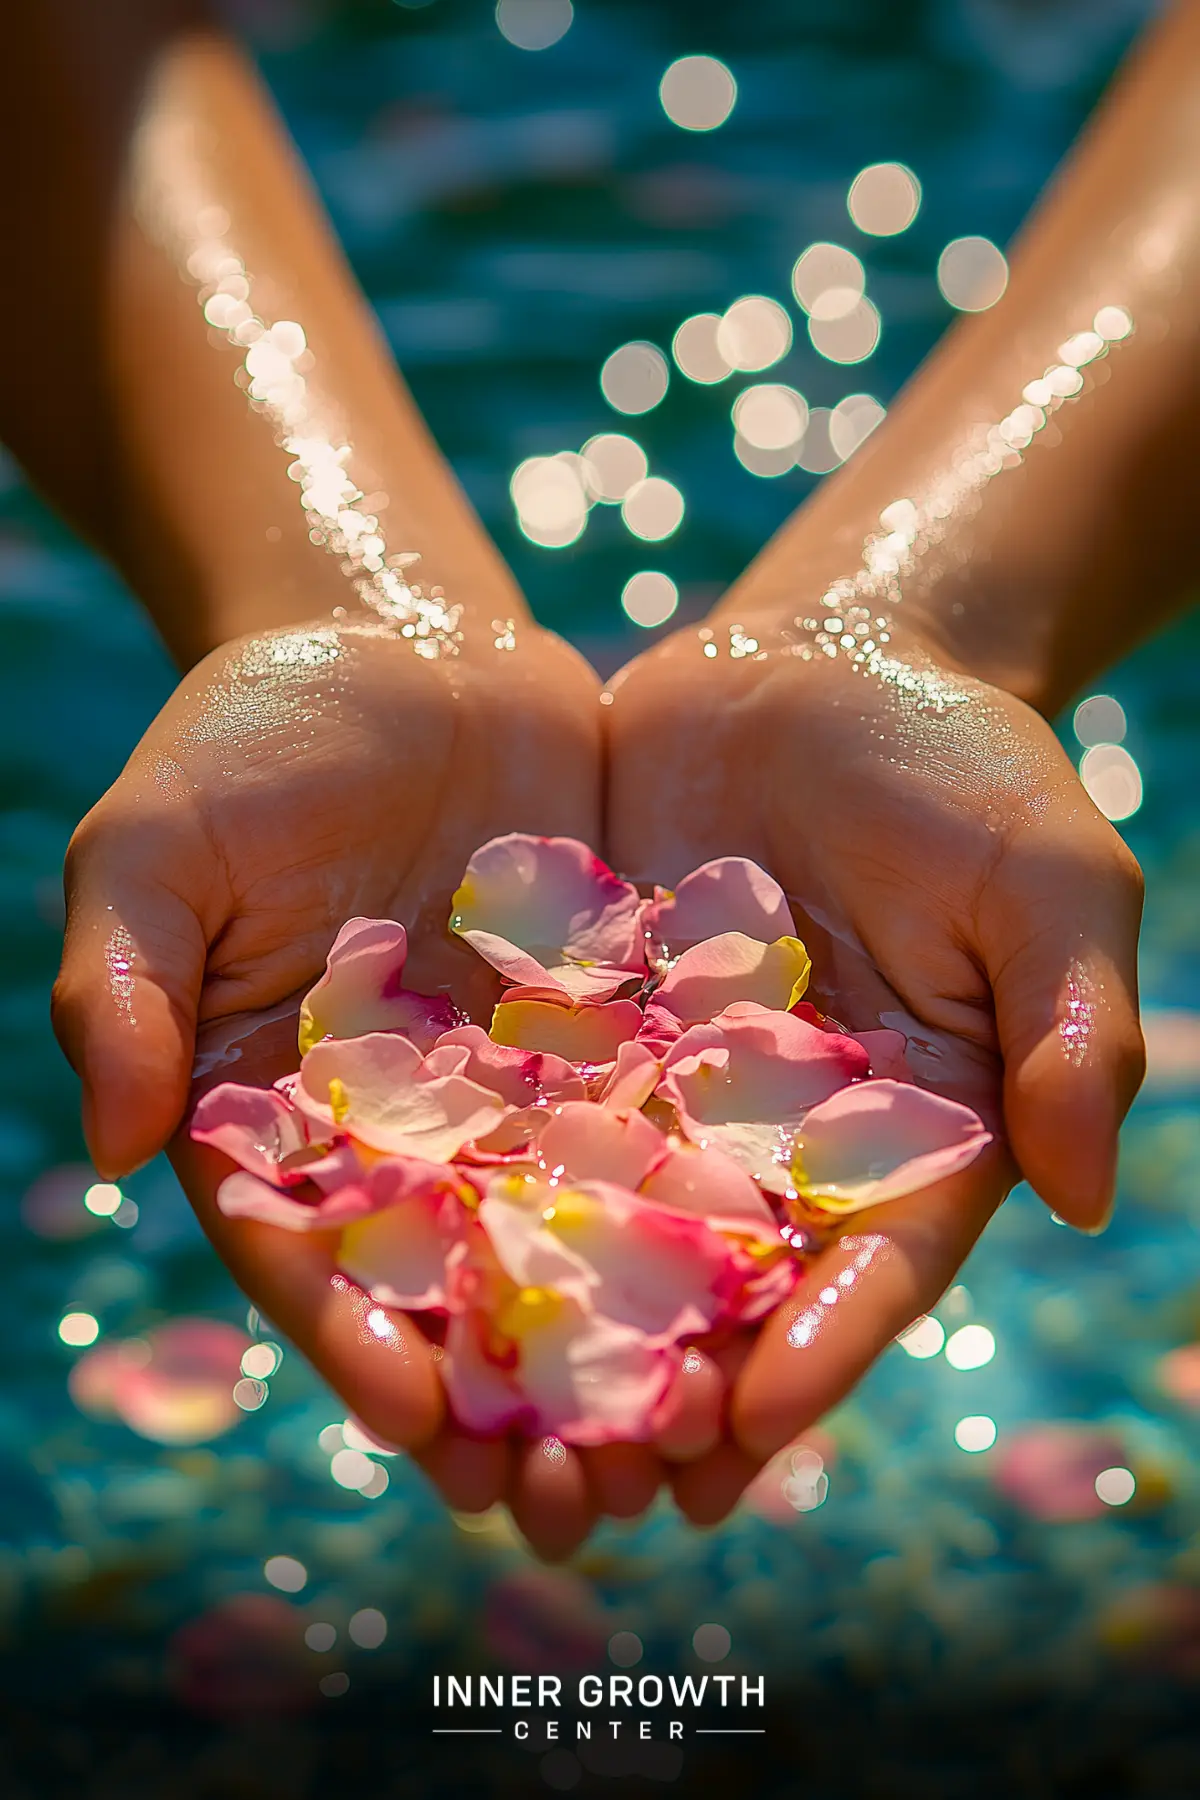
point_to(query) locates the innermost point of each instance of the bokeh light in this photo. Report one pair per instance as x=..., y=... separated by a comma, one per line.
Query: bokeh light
x=1100, y=720
x=534, y=24
x=103, y=1199
x=884, y=198
x=1113, y=323
x=367, y=1628
x=78, y=1329
x=754, y=333
x=333, y=1686
x=352, y=1469
x=766, y=463
x=770, y=416
x=849, y=338
x=286, y=1573
x=551, y=504
x=817, y=454
x=828, y=281
x=923, y=1338
x=649, y=598
x=1112, y=779
x=262, y=1360
x=653, y=508
x=612, y=464
x=634, y=378
x=712, y=1643
x=975, y=1433
x=852, y=421
x=696, y=350
x=625, y=1649
x=972, y=273
x=321, y=1636
x=970, y=1347
x=1116, y=1487
x=697, y=93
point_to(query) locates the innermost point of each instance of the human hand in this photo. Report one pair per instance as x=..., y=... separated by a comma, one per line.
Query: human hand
x=292, y=781
x=952, y=879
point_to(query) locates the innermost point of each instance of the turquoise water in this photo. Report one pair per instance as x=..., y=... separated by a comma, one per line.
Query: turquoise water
x=515, y=217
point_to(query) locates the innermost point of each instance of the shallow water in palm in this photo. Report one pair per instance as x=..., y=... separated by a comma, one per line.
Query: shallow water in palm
x=965, y=1561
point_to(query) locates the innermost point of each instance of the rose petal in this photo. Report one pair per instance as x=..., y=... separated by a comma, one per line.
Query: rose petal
x=584, y=1142
x=660, y=1028
x=633, y=1078
x=256, y=1127
x=590, y=1032
x=881, y=1139
x=361, y=990
x=399, y=1253
x=547, y=912
x=712, y=976
x=580, y=1377
x=380, y=1091
x=744, y=1082
x=729, y=894
x=244, y=1196
x=711, y=1185
x=887, y=1051
x=643, y=1265
x=520, y=1077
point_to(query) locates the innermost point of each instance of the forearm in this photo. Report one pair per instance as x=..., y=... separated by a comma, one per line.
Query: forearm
x=237, y=484
x=1035, y=562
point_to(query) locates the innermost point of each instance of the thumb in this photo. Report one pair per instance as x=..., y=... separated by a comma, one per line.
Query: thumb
x=124, y=1005
x=1059, y=940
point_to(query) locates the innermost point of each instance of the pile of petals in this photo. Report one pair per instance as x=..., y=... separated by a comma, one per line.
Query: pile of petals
x=634, y=1156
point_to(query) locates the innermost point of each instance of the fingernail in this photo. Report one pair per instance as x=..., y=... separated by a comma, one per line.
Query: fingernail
x=1103, y=1223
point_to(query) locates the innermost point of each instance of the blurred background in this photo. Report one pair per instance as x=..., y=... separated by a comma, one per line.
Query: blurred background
x=590, y=231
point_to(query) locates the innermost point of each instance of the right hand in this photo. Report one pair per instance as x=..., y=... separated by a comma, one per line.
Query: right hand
x=292, y=781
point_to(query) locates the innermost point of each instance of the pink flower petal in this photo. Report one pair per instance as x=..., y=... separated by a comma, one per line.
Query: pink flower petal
x=881, y=1139
x=361, y=990
x=632, y=1079
x=564, y=1372
x=713, y=975
x=744, y=1082
x=584, y=1142
x=256, y=1127
x=730, y=894
x=244, y=1196
x=520, y=1077
x=380, y=1091
x=659, y=1028
x=399, y=1253
x=886, y=1050
x=709, y=1184
x=546, y=912
x=640, y=1264
x=588, y=1033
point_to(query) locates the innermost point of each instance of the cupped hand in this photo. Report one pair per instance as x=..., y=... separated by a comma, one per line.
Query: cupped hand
x=293, y=781
x=953, y=880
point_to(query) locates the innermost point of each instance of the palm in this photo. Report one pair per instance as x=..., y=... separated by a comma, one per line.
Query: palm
x=914, y=823
x=292, y=782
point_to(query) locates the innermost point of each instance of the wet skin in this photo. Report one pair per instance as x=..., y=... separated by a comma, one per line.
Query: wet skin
x=943, y=862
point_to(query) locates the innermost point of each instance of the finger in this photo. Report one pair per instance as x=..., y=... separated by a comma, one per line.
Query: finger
x=1059, y=939
x=470, y=1473
x=622, y=1478
x=706, y=1491
x=375, y=1357
x=687, y=1422
x=891, y=1266
x=549, y=1498
x=124, y=1004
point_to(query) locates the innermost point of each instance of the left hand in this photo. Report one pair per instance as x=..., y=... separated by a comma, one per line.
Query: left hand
x=951, y=878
